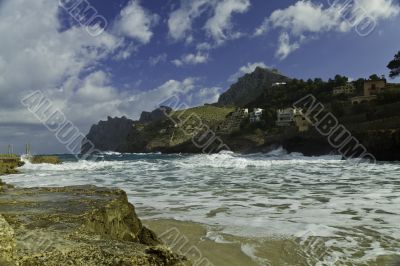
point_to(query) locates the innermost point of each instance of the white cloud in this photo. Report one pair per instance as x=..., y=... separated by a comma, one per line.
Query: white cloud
x=188, y=91
x=136, y=22
x=67, y=67
x=246, y=69
x=378, y=9
x=307, y=19
x=180, y=21
x=95, y=88
x=155, y=60
x=203, y=46
x=220, y=25
x=285, y=47
x=191, y=59
x=207, y=95
x=263, y=28
x=304, y=16
x=38, y=56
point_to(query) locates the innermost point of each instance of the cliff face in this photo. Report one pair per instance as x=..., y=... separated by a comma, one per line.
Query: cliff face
x=156, y=115
x=76, y=226
x=109, y=135
x=250, y=86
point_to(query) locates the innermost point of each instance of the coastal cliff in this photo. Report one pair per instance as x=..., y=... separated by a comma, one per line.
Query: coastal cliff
x=108, y=135
x=380, y=137
x=228, y=125
x=83, y=225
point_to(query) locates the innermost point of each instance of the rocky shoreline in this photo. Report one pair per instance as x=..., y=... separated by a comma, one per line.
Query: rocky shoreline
x=83, y=225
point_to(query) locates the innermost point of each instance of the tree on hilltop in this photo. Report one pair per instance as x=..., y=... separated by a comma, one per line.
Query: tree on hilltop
x=394, y=66
x=374, y=77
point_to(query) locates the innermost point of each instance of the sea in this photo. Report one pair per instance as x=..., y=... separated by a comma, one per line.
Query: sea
x=277, y=208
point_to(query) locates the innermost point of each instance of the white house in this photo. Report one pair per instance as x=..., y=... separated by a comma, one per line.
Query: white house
x=346, y=89
x=278, y=84
x=256, y=115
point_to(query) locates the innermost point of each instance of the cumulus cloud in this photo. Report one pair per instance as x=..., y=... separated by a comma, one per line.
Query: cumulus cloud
x=32, y=61
x=218, y=26
x=66, y=65
x=180, y=21
x=246, y=69
x=285, y=47
x=136, y=22
x=305, y=18
x=188, y=90
x=191, y=59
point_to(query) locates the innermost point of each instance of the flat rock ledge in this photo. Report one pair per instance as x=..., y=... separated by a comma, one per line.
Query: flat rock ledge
x=83, y=225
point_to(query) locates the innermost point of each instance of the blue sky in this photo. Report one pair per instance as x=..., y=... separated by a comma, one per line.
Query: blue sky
x=151, y=50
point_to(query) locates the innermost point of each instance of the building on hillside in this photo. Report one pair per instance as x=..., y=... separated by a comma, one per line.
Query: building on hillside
x=241, y=112
x=256, y=115
x=374, y=87
x=301, y=122
x=285, y=117
x=291, y=116
x=346, y=89
x=277, y=84
x=371, y=89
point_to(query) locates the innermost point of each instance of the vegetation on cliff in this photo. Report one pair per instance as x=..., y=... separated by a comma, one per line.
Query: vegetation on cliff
x=45, y=159
x=9, y=163
x=169, y=133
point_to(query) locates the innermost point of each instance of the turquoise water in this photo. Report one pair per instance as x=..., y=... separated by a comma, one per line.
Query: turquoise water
x=354, y=208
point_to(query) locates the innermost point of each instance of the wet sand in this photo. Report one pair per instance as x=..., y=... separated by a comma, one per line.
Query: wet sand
x=224, y=249
x=216, y=248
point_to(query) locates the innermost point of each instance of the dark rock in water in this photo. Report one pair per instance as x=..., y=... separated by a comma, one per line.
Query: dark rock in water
x=384, y=145
x=83, y=225
x=108, y=135
x=251, y=86
x=156, y=115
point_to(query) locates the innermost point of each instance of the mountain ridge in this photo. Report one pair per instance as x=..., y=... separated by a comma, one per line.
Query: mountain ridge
x=250, y=86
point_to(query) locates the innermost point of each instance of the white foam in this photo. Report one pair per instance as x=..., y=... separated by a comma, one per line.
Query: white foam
x=250, y=251
x=262, y=195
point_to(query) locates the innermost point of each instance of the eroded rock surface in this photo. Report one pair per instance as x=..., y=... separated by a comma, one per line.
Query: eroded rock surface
x=83, y=225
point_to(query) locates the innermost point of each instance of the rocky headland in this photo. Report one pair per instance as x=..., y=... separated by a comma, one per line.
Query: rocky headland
x=215, y=127
x=100, y=134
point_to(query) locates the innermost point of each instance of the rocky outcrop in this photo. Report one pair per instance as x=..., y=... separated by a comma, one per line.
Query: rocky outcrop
x=156, y=115
x=250, y=86
x=384, y=145
x=45, y=159
x=83, y=225
x=108, y=135
x=7, y=242
x=8, y=165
